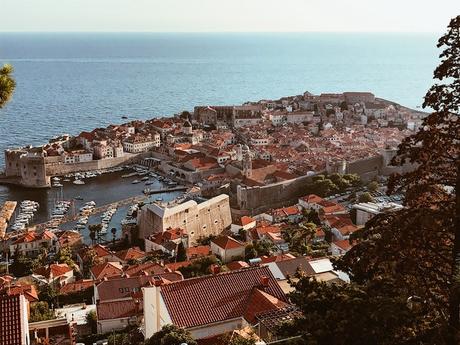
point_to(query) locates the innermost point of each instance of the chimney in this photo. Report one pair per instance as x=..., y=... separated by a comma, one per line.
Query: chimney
x=215, y=269
x=264, y=281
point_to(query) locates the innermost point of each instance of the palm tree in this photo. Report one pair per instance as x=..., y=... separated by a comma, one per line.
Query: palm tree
x=94, y=231
x=7, y=84
x=114, y=232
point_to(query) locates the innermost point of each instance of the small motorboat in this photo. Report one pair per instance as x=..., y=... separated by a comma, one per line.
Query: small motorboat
x=136, y=181
x=78, y=182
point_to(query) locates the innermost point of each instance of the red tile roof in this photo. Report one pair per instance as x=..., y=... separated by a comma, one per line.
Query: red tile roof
x=101, y=250
x=130, y=254
x=151, y=268
x=343, y=244
x=117, y=309
x=286, y=211
x=277, y=258
x=78, y=286
x=312, y=198
x=32, y=236
x=227, y=242
x=121, y=288
x=237, y=265
x=28, y=290
x=214, y=298
x=194, y=252
x=260, y=302
x=245, y=220
x=106, y=269
x=174, y=266
x=53, y=270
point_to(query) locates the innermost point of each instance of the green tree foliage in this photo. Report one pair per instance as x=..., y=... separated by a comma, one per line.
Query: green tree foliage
x=365, y=197
x=21, y=265
x=335, y=314
x=263, y=247
x=250, y=252
x=335, y=183
x=205, y=240
x=48, y=293
x=199, y=267
x=64, y=256
x=91, y=321
x=40, y=311
x=171, y=335
x=7, y=84
x=312, y=216
x=373, y=186
x=300, y=237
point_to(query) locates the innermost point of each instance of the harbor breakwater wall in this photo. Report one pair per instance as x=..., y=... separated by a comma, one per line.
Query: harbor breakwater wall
x=54, y=169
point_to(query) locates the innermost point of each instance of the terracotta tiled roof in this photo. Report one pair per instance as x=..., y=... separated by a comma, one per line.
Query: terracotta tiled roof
x=227, y=242
x=117, y=309
x=260, y=302
x=286, y=211
x=214, y=298
x=167, y=235
x=120, y=288
x=277, y=258
x=151, y=268
x=53, y=270
x=245, y=220
x=106, y=269
x=101, y=250
x=237, y=265
x=312, y=198
x=130, y=254
x=32, y=236
x=194, y=252
x=343, y=244
x=77, y=286
x=174, y=266
x=28, y=290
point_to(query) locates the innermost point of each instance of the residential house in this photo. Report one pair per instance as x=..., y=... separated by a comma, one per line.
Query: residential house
x=245, y=223
x=31, y=243
x=341, y=247
x=166, y=241
x=227, y=248
x=106, y=269
x=119, y=300
x=56, y=274
x=221, y=302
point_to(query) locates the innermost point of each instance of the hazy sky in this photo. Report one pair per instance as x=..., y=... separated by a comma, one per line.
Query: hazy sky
x=227, y=15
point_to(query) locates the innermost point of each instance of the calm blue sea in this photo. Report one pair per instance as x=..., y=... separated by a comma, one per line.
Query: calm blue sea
x=72, y=82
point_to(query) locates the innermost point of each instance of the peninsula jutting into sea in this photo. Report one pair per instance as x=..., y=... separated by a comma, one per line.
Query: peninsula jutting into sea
x=284, y=135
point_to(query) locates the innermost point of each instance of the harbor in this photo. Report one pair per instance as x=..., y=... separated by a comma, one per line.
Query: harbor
x=109, y=194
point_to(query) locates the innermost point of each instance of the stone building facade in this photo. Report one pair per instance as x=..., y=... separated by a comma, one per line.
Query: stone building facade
x=210, y=217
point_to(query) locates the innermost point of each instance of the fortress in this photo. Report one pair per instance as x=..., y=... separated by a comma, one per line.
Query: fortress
x=257, y=199
x=209, y=217
x=32, y=167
